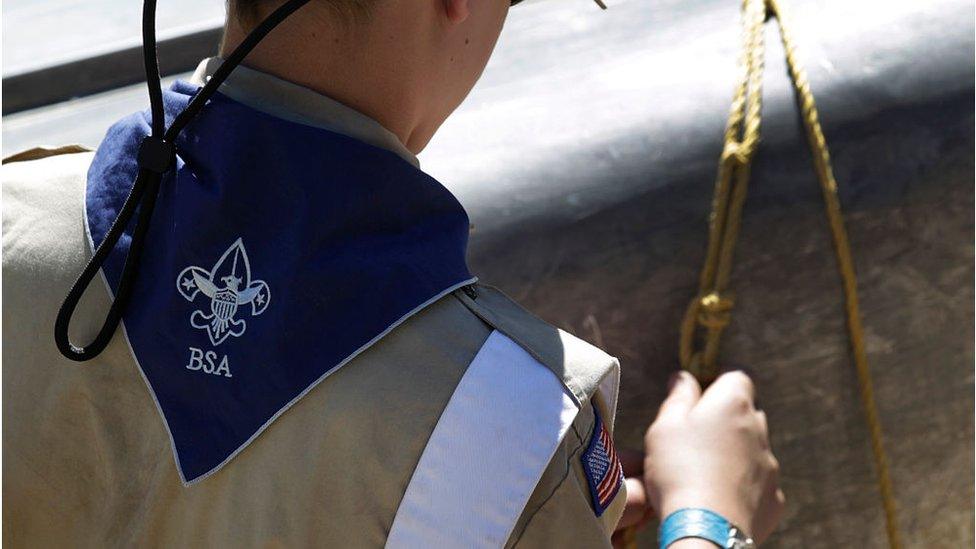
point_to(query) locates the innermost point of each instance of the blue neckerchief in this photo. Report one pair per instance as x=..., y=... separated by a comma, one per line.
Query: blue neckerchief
x=277, y=252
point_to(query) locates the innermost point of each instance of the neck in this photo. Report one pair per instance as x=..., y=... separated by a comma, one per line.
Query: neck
x=358, y=64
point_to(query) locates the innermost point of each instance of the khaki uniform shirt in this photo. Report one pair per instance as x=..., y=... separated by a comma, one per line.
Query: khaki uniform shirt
x=87, y=461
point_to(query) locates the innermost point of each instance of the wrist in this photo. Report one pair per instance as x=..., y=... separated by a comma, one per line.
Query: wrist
x=692, y=543
x=725, y=506
x=706, y=527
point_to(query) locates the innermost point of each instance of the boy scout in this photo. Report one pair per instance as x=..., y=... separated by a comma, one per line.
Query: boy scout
x=293, y=294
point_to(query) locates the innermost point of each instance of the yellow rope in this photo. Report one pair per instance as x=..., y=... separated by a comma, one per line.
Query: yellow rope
x=712, y=307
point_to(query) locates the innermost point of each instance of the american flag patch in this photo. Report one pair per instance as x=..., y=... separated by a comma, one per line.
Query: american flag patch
x=602, y=467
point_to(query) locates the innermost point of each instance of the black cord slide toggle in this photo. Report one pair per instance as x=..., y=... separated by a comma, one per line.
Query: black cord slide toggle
x=157, y=155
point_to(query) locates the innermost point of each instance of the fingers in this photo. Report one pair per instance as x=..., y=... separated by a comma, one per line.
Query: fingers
x=683, y=394
x=733, y=389
x=773, y=504
x=780, y=502
x=763, y=428
x=636, y=510
x=770, y=513
x=763, y=421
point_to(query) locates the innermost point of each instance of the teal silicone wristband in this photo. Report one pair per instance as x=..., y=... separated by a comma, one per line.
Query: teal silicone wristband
x=694, y=523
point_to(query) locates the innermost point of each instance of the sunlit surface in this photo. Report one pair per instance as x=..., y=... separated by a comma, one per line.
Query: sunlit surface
x=586, y=157
x=38, y=33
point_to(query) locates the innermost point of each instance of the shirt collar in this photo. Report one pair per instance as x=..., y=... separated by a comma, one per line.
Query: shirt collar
x=289, y=101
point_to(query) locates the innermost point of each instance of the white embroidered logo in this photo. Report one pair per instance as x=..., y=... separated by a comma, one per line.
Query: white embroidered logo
x=233, y=272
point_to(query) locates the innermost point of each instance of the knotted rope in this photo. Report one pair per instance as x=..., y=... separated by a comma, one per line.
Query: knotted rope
x=711, y=309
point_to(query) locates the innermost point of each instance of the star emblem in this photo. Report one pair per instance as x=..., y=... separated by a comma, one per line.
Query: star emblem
x=259, y=299
x=188, y=284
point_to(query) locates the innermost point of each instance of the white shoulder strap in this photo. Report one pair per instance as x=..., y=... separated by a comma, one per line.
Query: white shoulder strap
x=488, y=451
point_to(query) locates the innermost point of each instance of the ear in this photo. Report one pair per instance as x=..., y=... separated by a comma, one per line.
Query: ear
x=456, y=10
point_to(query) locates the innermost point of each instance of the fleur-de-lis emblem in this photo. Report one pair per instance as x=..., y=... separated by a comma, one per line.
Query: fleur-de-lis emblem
x=229, y=286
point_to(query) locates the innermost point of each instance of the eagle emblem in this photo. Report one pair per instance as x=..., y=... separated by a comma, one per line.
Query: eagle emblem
x=229, y=286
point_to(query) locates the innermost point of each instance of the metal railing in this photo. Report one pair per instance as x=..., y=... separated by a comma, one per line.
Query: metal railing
x=104, y=71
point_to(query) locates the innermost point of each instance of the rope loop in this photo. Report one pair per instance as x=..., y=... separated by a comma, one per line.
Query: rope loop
x=715, y=311
x=156, y=157
x=736, y=152
x=711, y=309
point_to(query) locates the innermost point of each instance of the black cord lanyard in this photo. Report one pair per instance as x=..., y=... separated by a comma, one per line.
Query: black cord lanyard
x=157, y=155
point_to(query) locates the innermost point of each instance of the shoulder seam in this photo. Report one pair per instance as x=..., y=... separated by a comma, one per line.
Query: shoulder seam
x=499, y=321
x=575, y=391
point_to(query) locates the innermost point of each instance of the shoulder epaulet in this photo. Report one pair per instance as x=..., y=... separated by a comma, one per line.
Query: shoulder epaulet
x=584, y=369
x=38, y=153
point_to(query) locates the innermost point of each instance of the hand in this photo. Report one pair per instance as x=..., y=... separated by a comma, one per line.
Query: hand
x=637, y=513
x=712, y=451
